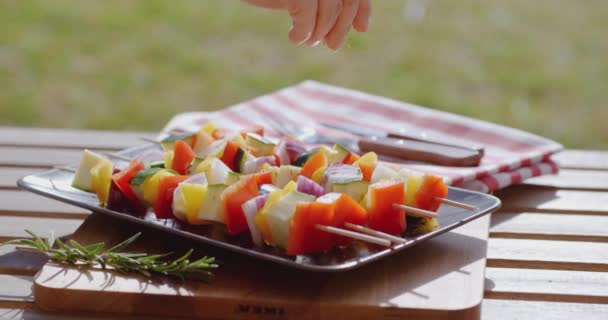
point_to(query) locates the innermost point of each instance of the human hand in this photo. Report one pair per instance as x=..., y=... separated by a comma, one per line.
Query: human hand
x=316, y=21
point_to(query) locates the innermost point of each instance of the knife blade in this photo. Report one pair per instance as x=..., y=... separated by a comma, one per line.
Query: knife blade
x=401, y=134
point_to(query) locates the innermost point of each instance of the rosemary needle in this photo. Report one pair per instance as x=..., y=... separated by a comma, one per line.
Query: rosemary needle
x=93, y=255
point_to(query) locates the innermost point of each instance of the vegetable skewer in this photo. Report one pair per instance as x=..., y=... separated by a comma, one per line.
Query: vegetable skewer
x=382, y=241
x=335, y=189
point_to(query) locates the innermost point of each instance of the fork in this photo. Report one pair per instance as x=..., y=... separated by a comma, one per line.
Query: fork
x=308, y=133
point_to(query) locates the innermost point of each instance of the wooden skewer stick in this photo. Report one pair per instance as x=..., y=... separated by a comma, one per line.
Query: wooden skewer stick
x=354, y=235
x=457, y=204
x=376, y=233
x=420, y=212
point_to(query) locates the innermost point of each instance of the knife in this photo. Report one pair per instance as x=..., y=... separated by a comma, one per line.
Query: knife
x=400, y=134
x=407, y=147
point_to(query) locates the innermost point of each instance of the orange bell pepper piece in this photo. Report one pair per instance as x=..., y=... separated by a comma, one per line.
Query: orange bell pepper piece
x=316, y=161
x=382, y=216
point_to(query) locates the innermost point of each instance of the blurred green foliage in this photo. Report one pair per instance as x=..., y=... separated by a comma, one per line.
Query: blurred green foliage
x=536, y=65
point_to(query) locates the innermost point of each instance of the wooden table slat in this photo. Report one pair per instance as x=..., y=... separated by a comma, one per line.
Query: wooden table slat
x=549, y=226
x=573, y=179
x=16, y=288
x=547, y=285
x=582, y=159
x=495, y=309
x=68, y=138
x=10, y=175
x=547, y=254
x=530, y=198
x=16, y=202
x=20, y=262
x=38, y=157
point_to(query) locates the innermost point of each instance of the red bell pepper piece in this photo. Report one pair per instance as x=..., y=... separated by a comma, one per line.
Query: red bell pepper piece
x=350, y=158
x=347, y=210
x=432, y=187
x=382, y=216
x=229, y=154
x=182, y=157
x=122, y=179
x=264, y=177
x=117, y=201
x=235, y=195
x=304, y=237
x=233, y=198
x=163, y=207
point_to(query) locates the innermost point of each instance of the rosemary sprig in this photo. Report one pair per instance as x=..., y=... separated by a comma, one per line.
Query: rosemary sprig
x=94, y=256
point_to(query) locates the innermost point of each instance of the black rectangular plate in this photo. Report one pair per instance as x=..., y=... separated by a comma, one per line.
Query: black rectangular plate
x=55, y=184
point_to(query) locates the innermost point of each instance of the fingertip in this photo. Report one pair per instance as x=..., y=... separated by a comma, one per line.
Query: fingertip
x=297, y=36
x=362, y=19
x=361, y=26
x=333, y=46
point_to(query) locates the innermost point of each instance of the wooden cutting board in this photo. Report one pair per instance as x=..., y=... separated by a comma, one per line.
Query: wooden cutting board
x=440, y=279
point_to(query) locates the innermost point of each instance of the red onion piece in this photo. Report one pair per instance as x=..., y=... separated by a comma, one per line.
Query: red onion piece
x=294, y=148
x=251, y=208
x=282, y=153
x=308, y=186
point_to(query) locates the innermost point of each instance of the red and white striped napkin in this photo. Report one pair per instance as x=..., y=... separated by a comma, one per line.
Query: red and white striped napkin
x=511, y=155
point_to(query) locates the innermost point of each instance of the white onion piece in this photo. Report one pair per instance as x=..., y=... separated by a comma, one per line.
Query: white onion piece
x=267, y=188
x=340, y=173
x=294, y=149
x=253, y=165
x=178, y=206
x=308, y=186
x=251, y=208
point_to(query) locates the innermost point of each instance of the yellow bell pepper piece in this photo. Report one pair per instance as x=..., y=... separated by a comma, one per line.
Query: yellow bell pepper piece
x=169, y=154
x=209, y=127
x=101, y=179
x=204, y=166
x=193, y=196
x=150, y=186
x=367, y=158
x=413, y=183
x=317, y=176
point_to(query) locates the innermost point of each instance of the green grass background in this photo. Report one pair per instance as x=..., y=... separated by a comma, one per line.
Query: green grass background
x=537, y=65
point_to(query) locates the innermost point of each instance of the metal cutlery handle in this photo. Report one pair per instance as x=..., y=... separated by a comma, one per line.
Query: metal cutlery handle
x=422, y=151
x=446, y=142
